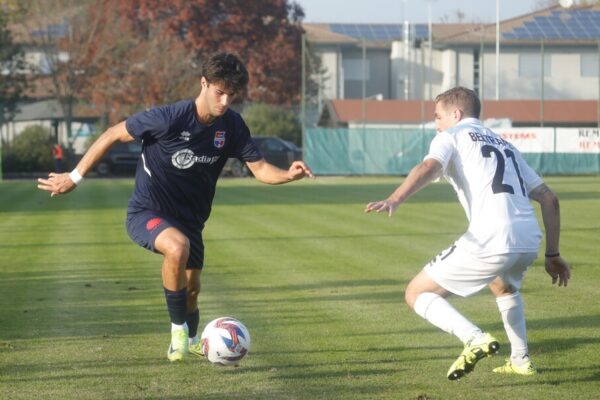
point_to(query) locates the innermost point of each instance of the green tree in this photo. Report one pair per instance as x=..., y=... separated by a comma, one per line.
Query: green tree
x=12, y=65
x=267, y=120
x=31, y=151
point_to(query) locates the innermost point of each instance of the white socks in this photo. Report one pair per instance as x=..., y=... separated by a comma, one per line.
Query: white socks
x=194, y=340
x=175, y=327
x=440, y=313
x=513, y=316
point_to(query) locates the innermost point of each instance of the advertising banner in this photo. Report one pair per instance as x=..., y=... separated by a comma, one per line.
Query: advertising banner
x=529, y=140
x=578, y=140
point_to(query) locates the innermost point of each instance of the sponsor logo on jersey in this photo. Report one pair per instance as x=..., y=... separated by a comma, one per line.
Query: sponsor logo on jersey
x=185, y=135
x=219, y=139
x=185, y=158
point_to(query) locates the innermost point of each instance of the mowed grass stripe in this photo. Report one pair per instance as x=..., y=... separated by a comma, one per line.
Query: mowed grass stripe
x=319, y=283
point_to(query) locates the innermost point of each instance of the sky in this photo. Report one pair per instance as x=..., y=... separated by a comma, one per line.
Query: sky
x=415, y=11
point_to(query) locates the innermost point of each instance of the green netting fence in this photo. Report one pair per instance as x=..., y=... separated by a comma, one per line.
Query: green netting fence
x=369, y=151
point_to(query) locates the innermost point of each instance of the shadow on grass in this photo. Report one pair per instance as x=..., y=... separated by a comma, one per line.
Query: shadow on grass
x=131, y=245
x=584, y=374
x=94, y=196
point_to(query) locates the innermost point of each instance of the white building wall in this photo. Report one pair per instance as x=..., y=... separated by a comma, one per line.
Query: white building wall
x=465, y=68
x=330, y=61
x=448, y=70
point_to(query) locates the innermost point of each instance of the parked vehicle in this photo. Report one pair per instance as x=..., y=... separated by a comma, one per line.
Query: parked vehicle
x=121, y=159
x=277, y=151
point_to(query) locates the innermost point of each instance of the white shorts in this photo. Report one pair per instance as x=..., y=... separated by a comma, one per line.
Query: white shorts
x=464, y=274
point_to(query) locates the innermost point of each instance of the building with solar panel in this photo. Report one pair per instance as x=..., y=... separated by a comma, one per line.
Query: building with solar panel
x=548, y=59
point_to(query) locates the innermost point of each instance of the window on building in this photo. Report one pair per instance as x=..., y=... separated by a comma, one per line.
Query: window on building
x=589, y=65
x=356, y=69
x=530, y=65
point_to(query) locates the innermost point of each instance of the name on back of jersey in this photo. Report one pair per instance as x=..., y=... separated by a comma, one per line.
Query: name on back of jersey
x=480, y=137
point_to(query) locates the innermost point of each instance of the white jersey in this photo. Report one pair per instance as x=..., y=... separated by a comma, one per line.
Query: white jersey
x=492, y=181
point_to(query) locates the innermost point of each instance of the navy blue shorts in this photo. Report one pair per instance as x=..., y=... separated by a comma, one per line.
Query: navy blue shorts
x=143, y=227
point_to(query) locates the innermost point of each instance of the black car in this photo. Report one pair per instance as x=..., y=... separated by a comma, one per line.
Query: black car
x=277, y=151
x=121, y=159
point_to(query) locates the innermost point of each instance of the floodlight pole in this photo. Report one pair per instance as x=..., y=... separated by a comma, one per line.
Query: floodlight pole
x=430, y=42
x=497, y=49
x=364, y=82
x=542, y=84
x=303, y=94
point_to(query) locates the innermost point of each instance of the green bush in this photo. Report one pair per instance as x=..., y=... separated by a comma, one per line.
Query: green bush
x=31, y=151
x=267, y=120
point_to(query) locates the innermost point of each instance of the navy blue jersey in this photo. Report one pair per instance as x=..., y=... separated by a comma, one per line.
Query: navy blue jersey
x=181, y=159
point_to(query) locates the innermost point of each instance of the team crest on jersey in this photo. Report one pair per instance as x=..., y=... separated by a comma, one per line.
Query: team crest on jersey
x=185, y=135
x=219, y=139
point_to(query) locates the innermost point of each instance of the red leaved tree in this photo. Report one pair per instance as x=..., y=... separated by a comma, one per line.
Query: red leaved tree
x=151, y=49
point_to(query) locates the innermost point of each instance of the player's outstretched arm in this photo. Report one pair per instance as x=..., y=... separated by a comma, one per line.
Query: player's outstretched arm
x=558, y=269
x=64, y=183
x=270, y=174
x=419, y=177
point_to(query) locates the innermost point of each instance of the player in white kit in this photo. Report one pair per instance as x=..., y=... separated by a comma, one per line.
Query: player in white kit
x=494, y=185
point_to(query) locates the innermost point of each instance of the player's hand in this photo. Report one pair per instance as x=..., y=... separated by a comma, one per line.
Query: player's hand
x=299, y=170
x=56, y=184
x=558, y=269
x=383, y=205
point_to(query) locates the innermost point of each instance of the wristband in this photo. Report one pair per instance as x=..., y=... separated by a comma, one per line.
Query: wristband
x=550, y=255
x=75, y=176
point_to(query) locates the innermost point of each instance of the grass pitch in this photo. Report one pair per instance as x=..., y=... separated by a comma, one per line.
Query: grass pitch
x=318, y=283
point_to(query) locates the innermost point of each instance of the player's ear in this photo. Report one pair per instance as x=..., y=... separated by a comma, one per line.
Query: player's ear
x=458, y=114
x=203, y=82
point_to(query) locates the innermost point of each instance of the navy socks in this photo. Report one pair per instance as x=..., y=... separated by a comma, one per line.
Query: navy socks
x=177, y=305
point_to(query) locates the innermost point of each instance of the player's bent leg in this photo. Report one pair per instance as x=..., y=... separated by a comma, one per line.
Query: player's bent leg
x=175, y=248
x=422, y=283
x=475, y=350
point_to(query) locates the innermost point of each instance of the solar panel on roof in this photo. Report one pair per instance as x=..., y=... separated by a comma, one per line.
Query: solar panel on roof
x=562, y=24
x=378, y=31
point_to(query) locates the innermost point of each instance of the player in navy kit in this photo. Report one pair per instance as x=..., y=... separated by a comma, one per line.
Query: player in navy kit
x=184, y=148
x=494, y=185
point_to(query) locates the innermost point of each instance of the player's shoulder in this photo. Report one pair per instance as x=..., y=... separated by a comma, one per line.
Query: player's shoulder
x=234, y=120
x=179, y=108
x=232, y=116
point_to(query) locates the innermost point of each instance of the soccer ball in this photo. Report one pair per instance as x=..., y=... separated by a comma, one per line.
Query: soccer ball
x=225, y=341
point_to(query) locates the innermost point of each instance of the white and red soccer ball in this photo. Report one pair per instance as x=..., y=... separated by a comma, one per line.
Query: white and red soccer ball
x=225, y=341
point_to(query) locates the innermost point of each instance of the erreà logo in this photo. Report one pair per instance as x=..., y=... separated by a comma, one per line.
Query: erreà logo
x=219, y=139
x=185, y=135
x=185, y=158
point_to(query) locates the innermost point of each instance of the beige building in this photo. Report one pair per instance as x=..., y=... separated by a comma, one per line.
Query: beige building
x=552, y=54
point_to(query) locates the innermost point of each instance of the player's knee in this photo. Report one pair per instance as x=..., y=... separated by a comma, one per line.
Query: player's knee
x=177, y=249
x=410, y=296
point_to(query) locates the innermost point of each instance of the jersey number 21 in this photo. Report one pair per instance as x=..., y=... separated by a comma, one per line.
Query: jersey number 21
x=497, y=184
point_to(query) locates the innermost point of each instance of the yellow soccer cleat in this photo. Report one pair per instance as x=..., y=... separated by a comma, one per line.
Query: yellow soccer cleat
x=178, y=349
x=197, y=349
x=509, y=368
x=475, y=350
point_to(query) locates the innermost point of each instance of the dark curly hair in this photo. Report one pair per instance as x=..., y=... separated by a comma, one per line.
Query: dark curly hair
x=225, y=69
